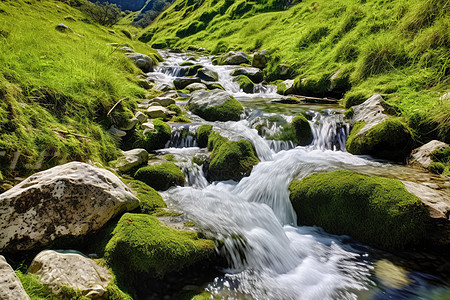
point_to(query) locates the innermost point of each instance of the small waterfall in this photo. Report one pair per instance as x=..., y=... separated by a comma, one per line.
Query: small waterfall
x=278, y=146
x=172, y=71
x=254, y=218
x=183, y=136
x=330, y=131
x=261, y=88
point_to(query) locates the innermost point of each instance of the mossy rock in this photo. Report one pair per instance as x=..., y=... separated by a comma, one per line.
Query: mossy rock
x=390, y=139
x=245, y=84
x=152, y=139
x=141, y=244
x=374, y=210
x=215, y=105
x=149, y=198
x=161, y=177
x=231, y=160
x=203, y=133
x=303, y=132
x=215, y=140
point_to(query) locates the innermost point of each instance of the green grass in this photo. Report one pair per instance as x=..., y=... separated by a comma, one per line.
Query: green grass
x=57, y=88
x=398, y=48
x=388, y=216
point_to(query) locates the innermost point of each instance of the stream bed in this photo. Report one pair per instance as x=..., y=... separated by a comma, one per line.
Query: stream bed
x=269, y=256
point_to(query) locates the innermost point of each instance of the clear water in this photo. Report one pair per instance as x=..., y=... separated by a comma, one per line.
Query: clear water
x=269, y=257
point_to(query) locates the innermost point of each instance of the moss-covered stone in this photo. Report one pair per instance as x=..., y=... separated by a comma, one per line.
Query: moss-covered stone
x=348, y=114
x=390, y=139
x=375, y=210
x=215, y=105
x=302, y=129
x=203, y=133
x=231, y=160
x=161, y=177
x=245, y=83
x=149, y=198
x=215, y=140
x=152, y=139
x=175, y=108
x=140, y=243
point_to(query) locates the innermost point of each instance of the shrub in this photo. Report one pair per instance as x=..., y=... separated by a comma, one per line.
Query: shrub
x=104, y=13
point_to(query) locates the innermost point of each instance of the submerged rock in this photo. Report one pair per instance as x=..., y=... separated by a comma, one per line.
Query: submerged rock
x=377, y=134
x=10, y=286
x=215, y=105
x=374, y=210
x=68, y=200
x=140, y=244
x=59, y=269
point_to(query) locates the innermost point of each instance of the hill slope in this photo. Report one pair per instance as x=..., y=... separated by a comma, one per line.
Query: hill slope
x=57, y=87
x=398, y=48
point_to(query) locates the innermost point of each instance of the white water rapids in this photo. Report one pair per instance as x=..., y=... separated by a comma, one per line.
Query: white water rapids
x=269, y=256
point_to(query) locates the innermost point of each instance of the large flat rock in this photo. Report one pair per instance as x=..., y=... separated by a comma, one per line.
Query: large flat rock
x=67, y=200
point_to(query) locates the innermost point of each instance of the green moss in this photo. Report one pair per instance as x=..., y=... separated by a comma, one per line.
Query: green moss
x=231, y=110
x=245, y=83
x=170, y=157
x=141, y=244
x=375, y=210
x=348, y=114
x=161, y=177
x=215, y=140
x=390, y=139
x=181, y=119
x=189, y=223
x=436, y=167
x=302, y=130
x=33, y=286
x=203, y=133
x=152, y=139
x=149, y=198
x=175, y=108
x=232, y=160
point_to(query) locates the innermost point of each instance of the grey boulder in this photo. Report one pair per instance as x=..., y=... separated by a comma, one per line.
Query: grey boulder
x=68, y=200
x=142, y=61
x=10, y=286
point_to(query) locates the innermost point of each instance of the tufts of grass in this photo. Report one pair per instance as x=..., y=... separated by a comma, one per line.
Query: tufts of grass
x=57, y=87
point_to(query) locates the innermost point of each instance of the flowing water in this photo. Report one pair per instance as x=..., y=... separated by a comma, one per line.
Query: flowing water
x=269, y=257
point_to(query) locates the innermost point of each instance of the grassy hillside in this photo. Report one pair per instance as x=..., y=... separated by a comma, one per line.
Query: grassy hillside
x=57, y=87
x=398, y=48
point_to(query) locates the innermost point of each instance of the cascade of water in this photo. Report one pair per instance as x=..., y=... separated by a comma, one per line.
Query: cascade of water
x=249, y=216
x=330, y=131
x=182, y=136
